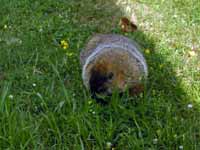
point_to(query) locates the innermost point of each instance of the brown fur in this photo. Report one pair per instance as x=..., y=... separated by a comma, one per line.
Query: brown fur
x=119, y=67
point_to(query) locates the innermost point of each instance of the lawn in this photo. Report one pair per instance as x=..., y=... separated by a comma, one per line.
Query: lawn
x=43, y=103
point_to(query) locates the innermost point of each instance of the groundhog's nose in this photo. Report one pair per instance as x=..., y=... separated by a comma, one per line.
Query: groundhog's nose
x=97, y=82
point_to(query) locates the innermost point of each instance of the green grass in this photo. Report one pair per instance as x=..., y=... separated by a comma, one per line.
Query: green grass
x=43, y=103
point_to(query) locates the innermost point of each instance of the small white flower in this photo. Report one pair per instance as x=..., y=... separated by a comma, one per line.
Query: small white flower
x=181, y=147
x=60, y=16
x=10, y=96
x=155, y=141
x=34, y=85
x=189, y=106
x=108, y=145
x=192, y=53
x=40, y=30
x=93, y=112
x=5, y=26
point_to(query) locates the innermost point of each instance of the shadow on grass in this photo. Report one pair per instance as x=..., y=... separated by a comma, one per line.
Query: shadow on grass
x=133, y=122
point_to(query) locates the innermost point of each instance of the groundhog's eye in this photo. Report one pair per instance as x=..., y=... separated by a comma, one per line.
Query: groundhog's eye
x=110, y=75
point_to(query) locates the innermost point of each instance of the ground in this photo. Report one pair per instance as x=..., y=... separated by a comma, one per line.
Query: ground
x=43, y=103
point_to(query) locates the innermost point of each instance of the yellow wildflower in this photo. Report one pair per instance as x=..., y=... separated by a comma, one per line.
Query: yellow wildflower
x=147, y=51
x=64, y=44
x=65, y=47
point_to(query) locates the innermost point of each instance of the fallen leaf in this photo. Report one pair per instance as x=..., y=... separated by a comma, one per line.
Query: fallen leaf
x=127, y=25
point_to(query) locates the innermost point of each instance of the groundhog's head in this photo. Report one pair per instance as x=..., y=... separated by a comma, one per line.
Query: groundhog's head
x=99, y=84
x=104, y=78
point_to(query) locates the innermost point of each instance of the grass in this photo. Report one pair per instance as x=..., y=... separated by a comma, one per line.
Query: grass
x=43, y=103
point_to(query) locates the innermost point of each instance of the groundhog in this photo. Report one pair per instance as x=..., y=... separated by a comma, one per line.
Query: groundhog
x=111, y=62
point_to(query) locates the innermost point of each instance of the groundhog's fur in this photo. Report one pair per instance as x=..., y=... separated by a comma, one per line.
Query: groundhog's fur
x=112, y=62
